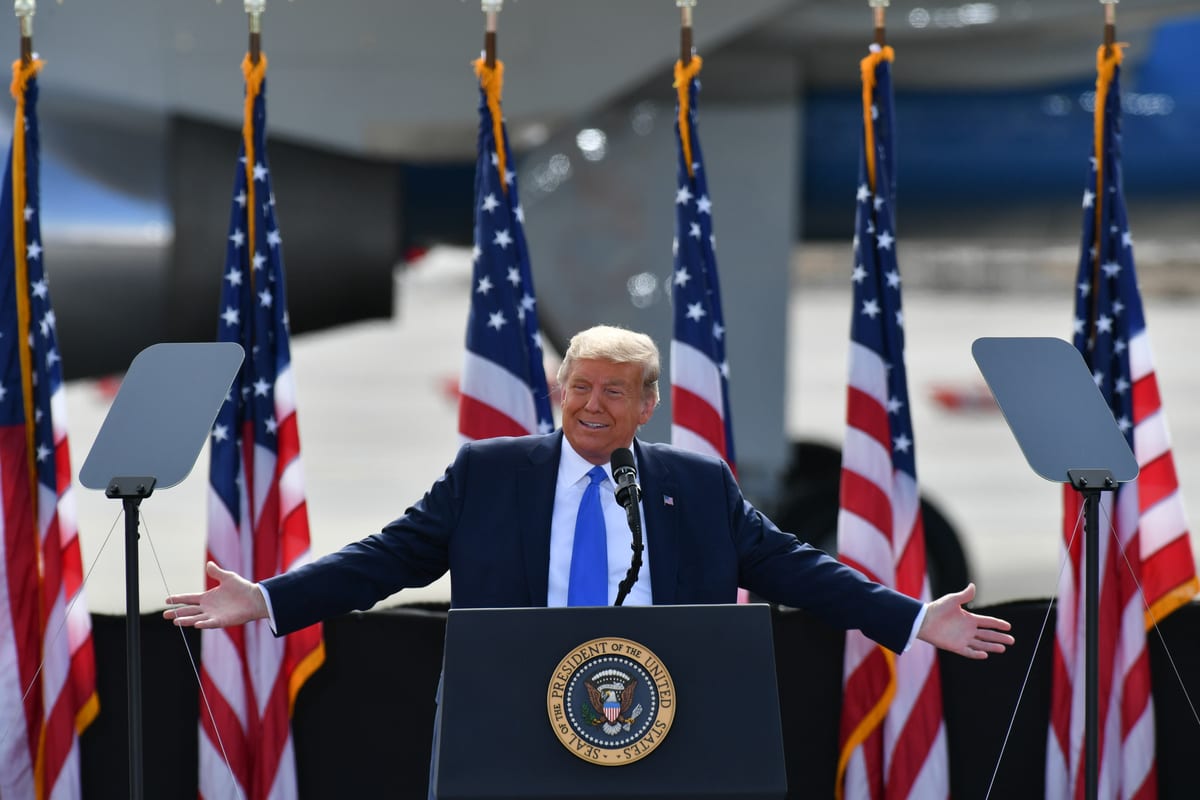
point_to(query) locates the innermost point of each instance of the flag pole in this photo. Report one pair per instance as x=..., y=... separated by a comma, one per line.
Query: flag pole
x=685, y=30
x=1091, y=715
x=880, y=9
x=1110, y=24
x=254, y=11
x=24, y=9
x=491, y=8
x=1110, y=37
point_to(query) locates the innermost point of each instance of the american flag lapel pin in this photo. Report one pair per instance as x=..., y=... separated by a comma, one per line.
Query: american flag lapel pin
x=668, y=500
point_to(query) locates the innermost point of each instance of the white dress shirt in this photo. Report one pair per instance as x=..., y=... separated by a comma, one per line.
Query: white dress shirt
x=568, y=491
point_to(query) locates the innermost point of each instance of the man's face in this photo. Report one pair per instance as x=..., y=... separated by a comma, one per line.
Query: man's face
x=602, y=407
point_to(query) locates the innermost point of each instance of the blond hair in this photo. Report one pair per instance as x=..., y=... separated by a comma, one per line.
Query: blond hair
x=618, y=345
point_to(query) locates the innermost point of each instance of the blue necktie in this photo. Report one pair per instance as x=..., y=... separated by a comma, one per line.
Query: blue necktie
x=588, y=585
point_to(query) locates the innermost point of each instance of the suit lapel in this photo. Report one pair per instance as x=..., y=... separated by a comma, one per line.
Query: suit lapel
x=659, y=495
x=536, y=479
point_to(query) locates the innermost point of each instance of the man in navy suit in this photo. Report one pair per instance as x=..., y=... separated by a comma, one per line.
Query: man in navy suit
x=502, y=521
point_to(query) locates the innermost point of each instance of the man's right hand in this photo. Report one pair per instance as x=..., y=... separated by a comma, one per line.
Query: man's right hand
x=233, y=601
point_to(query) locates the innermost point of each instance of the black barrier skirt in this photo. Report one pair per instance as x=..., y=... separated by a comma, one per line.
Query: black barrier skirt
x=363, y=722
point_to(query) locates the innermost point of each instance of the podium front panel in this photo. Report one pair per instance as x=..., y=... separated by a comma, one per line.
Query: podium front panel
x=496, y=739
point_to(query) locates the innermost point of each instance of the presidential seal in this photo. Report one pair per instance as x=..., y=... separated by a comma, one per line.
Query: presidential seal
x=611, y=701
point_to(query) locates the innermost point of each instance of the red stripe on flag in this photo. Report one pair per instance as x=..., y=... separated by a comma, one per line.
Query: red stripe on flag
x=266, y=536
x=20, y=549
x=1156, y=481
x=693, y=412
x=1149, y=788
x=865, y=499
x=866, y=414
x=1168, y=568
x=1146, y=398
x=287, y=440
x=916, y=739
x=910, y=566
x=295, y=538
x=232, y=740
x=853, y=563
x=60, y=734
x=478, y=420
x=62, y=465
x=1135, y=696
x=274, y=730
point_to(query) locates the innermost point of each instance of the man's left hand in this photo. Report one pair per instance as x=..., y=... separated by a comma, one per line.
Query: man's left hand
x=949, y=626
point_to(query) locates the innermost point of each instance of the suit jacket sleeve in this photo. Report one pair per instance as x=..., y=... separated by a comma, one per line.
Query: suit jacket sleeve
x=780, y=567
x=718, y=520
x=410, y=551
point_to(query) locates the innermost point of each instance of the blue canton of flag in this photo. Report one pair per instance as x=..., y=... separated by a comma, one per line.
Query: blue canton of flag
x=43, y=340
x=701, y=419
x=878, y=319
x=503, y=386
x=254, y=315
x=1108, y=311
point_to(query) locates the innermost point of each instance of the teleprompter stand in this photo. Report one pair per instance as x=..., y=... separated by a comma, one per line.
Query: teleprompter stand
x=150, y=439
x=1067, y=432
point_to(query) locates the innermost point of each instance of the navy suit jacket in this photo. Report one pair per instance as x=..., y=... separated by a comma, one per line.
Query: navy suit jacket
x=487, y=521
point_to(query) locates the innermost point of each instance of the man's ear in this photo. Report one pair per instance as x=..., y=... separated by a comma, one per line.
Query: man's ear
x=647, y=411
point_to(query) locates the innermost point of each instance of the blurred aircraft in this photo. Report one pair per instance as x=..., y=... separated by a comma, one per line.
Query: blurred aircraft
x=372, y=110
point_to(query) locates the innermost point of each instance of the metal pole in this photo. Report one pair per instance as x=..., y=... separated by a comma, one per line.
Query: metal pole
x=685, y=29
x=1110, y=24
x=880, y=9
x=254, y=10
x=133, y=646
x=1091, y=542
x=24, y=10
x=490, y=8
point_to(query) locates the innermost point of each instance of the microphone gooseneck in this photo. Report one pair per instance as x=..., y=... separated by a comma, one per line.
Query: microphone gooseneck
x=628, y=495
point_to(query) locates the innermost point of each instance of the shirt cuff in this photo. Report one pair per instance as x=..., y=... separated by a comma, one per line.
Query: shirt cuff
x=271, y=609
x=912, y=635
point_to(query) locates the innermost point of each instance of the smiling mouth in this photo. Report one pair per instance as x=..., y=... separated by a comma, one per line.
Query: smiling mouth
x=594, y=426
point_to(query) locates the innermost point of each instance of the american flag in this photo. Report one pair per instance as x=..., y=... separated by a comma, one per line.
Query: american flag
x=503, y=390
x=893, y=737
x=1147, y=517
x=42, y=608
x=257, y=518
x=700, y=416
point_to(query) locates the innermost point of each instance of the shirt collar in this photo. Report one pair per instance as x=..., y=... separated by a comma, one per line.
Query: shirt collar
x=572, y=467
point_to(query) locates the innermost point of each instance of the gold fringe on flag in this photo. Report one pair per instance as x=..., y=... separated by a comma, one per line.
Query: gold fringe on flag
x=23, y=73
x=254, y=72
x=867, y=66
x=683, y=76
x=869, y=724
x=492, y=82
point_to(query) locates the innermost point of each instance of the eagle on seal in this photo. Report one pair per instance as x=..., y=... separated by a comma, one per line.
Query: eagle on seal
x=612, y=707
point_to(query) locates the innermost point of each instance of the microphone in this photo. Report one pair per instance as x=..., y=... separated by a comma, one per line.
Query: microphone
x=628, y=495
x=625, y=475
